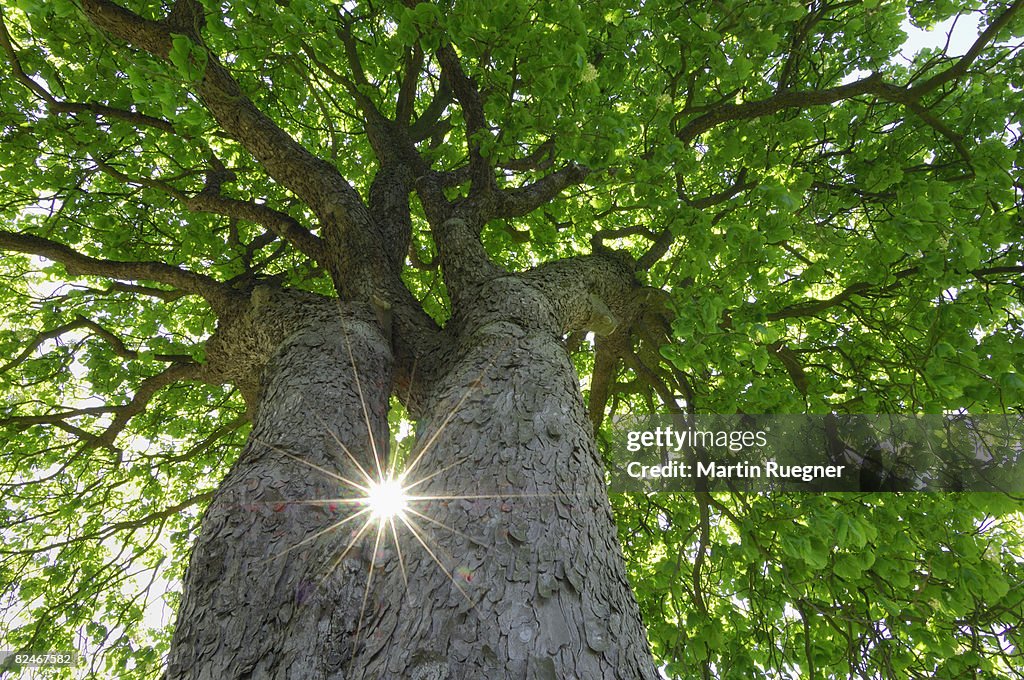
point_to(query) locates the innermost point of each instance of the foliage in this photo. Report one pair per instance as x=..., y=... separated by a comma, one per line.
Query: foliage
x=833, y=225
x=841, y=585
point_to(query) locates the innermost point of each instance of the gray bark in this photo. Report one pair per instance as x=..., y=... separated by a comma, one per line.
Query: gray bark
x=528, y=578
x=524, y=577
x=543, y=591
x=259, y=602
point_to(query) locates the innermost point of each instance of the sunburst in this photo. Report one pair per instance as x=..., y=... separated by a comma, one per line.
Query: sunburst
x=384, y=504
x=386, y=499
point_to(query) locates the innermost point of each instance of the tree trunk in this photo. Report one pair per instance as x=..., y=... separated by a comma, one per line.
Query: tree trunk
x=511, y=568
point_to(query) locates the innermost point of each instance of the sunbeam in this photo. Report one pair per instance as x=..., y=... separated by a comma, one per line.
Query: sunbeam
x=411, y=526
x=379, y=497
x=477, y=382
x=362, y=401
x=386, y=498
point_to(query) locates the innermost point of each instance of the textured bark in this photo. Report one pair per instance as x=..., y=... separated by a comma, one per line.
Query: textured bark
x=259, y=602
x=526, y=579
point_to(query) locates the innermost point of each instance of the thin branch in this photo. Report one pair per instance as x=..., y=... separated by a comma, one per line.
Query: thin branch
x=121, y=350
x=121, y=287
x=58, y=106
x=365, y=104
x=116, y=344
x=788, y=99
x=149, y=182
x=38, y=341
x=206, y=443
x=210, y=200
x=871, y=84
x=863, y=289
x=622, y=232
x=23, y=422
x=664, y=240
x=144, y=394
x=939, y=126
x=538, y=159
x=739, y=186
x=109, y=530
x=814, y=306
x=993, y=271
x=960, y=67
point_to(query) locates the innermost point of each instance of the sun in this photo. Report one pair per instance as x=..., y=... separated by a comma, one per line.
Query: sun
x=386, y=499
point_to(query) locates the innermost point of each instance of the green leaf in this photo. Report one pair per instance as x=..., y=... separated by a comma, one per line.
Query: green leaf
x=187, y=57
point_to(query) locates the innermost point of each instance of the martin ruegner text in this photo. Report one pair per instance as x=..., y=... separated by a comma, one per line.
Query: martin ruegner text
x=769, y=469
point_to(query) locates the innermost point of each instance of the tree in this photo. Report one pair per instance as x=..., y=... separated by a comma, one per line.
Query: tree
x=296, y=224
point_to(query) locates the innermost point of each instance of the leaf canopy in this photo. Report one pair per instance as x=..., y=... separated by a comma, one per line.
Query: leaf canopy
x=830, y=217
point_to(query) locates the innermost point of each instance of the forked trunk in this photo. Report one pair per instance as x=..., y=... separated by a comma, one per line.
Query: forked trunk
x=507, y=563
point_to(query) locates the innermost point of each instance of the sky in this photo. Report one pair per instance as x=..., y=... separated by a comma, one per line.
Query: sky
x=963, y=36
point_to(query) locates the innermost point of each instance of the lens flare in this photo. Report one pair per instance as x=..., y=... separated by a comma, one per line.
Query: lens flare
x=386, y=499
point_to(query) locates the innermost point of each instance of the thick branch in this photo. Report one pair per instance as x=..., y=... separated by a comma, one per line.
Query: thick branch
x=792, y=365
x=315, y=181
x=468, y=95
x=607, y=352
x=524, y=200
x=276, y=222
x=410, y=79
x=591, y=292
x=463, y=257
x=872, y=84
x=996, y=271
x=389, y=202
x=427, y=123
x=220, y=296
